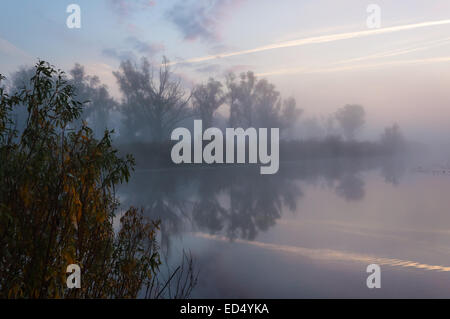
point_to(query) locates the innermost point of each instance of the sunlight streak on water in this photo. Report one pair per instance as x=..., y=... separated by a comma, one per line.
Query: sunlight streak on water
x=328, y=254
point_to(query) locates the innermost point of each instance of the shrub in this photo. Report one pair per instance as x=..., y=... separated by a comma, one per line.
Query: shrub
x=58, y=203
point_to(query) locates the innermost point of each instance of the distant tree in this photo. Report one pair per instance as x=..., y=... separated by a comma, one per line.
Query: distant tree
x=256, y=103
x=392, y=139
x=290, y=115
x=267, y=105
x=329, y=125
x=20, y=80
x=98, y=104
x=241, y=99
x=206, y=99
x=350, y=118
x=150, y=106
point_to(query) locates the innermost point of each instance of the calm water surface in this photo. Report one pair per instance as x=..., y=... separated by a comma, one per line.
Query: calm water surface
x=308, y=231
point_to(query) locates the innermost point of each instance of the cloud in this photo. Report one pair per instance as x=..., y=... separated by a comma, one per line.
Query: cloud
x=185, y=80
x=125, y=8
x=193, y=22
x=219, y=69
x=239, y=68
x=319, y=39
x=136, y=48
x=200, y=21
x=145, y=48
x=120, y=55
x=211, y=68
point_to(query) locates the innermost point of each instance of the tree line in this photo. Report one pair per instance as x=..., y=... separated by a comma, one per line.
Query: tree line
x=154, y=101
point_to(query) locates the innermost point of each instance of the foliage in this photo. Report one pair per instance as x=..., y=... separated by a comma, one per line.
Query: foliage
x=58, y=203
x=97, y=103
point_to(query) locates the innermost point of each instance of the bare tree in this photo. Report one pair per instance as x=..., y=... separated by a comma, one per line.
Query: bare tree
x=151, y=105
x=350, y=118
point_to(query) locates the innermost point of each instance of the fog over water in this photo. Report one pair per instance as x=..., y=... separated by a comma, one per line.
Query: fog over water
x=309, y=231
x=363, y=115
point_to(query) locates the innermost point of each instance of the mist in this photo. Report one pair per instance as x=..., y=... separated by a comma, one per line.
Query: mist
x=354, y=108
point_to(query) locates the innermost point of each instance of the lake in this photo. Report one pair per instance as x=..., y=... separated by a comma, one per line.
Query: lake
x=308, y=231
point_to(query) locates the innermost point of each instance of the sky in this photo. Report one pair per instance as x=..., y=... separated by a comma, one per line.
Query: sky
x=319, y=51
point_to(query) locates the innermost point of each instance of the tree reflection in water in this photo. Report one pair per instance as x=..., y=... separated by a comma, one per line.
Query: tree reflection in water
x=239, y=202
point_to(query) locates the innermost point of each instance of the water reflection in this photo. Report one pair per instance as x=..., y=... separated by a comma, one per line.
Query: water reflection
x=239, y=202
x=350, y=187
x=321, y=221
x=393, y=169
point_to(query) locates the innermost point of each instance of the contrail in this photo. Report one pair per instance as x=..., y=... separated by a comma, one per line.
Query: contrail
x=410, y=49
x=356, y=67
x=329, y=254
x=315, y=40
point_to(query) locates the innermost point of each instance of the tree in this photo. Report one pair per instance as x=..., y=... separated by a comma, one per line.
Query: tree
x=290, y=115
x=350, y=118
x=257, y=103
x=150, y=106
x=206, y=99
x=57, y=202
x=20, y=80
x=241, y=100
x=98, y=103
x=392, y=139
